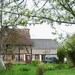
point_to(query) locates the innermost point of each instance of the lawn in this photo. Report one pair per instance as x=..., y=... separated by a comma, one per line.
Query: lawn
x=61, y=72
x=29, y=69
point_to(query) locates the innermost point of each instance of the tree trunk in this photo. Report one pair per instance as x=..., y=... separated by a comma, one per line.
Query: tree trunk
x=1, y=36
x=19, y=55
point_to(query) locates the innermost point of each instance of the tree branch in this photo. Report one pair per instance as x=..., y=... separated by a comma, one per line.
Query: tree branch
x=42, y=6
x=21, y=2
x=57, y=20
x=44, y=18
x=71, y=11
x=70, y=45
x=68, y=9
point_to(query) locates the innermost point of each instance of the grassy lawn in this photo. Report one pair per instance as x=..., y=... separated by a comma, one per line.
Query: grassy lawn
x=30, y=69
x=61, y=72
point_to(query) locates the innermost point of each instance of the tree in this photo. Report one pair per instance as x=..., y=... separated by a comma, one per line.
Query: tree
x=60, y=11
x=70, y=48
x=61, y=53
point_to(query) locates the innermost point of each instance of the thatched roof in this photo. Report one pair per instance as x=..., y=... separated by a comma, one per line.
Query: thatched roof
x=17, y=37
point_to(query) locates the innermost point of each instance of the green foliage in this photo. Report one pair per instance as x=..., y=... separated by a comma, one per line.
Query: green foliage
x=22, y=21
x=62, y=66
x=22, y=12
x=70, y=48
x=45, y=14
x=51, y=67
x=25, y=69
x=41, y=69
x=47, y=69
x=57, y=66
x=36, y=62
x=60, y=72
x=8, y=66
x=61, y=53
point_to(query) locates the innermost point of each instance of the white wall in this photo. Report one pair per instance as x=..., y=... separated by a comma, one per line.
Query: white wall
x=43, y=51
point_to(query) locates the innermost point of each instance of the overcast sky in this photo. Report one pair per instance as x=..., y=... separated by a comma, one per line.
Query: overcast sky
x=44, y=31
x=41, y=31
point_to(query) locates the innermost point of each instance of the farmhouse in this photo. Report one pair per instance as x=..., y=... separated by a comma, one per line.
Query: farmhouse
x=19, y=47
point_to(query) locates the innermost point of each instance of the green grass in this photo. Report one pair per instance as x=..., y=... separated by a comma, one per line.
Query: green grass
x=16, y=70
x=61, y=72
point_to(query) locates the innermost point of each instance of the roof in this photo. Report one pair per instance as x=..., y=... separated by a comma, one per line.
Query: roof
x=44, y=44
x=18, y=37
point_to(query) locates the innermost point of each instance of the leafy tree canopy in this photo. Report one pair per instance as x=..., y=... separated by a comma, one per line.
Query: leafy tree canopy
x=19, y=12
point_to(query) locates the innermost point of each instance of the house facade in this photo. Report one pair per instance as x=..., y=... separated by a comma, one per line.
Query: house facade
x=19, y=47
x=42, y=48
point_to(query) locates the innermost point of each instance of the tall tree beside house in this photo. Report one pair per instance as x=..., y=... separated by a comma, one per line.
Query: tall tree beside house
x=70, y=48
x=61, y=53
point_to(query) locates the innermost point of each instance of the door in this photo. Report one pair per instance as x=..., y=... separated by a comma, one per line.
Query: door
x=28, y=58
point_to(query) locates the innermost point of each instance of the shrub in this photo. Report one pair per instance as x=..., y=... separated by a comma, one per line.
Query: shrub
x=36, y=62
x=41, y=69
x=8, y=65
x=58, y=66
x=63, y=66
x=51, y=67
x=24, y=69
x=61, y=54
x=70, y=48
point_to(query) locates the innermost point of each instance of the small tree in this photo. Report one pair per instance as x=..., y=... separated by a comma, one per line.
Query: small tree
x=61, y=54
x=70, y=48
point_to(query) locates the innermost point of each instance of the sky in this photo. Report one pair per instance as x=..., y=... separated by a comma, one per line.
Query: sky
x=44, y=31
x=41, y=31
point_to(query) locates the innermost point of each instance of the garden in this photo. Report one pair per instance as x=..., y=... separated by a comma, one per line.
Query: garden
x=38, y=68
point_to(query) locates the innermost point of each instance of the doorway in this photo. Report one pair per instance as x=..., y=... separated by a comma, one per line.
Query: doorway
x=28, y=58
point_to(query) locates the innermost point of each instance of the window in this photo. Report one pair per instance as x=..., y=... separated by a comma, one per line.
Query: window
x=21, y=57
x=16, y=57
x=43, y=57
